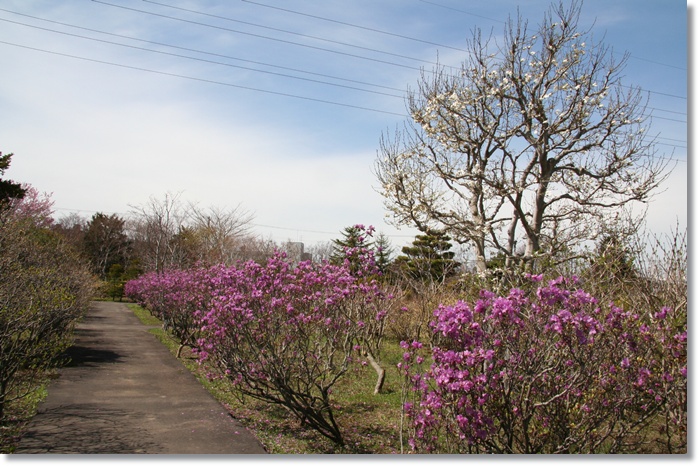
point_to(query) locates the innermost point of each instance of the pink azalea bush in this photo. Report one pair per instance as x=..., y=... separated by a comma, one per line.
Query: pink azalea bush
x=176, y=297
x=287, y=334
x=279, y=332
x=550, y=371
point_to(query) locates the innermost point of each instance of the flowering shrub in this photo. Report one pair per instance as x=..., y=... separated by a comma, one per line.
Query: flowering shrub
x=176, y=297
x=548, y=372
x=369, y=314
x=286, y=335
x=280, y=333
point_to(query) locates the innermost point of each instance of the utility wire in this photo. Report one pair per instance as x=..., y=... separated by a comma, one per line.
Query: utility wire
x=228, y=56
x=653, y=61
x=671, y=145
x=201, y=59
x=461, y=11
x=659, y=93
x=503, y=22
x=671, y=139
x=311, y=46
x=350, y=24
x=376, y=60
x=219, y=63
x=224, y=64
x=229, y=65
x=210, y=81
x=668, y=119
x=203, y=52
x=324, y=39
x=668, y=111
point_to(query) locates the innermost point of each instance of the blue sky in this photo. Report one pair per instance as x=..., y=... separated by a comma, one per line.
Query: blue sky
x=280, y=106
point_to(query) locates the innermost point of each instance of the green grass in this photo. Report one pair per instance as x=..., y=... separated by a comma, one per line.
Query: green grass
x=370, y=423
x=143, y=315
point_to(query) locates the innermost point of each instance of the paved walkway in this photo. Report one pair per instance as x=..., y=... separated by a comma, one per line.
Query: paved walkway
x=124, y=392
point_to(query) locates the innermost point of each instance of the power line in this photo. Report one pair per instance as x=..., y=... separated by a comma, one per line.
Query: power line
x=66, y=209
x=293, y=229
x=351, y=25
x=653, y=61
x=314, y=47
x=203, y=52
x=660, y=93
x=225, y=64
x=667, y=111
x=671, y=139
x=201, y=59
x=228, y=56
x=503, y=22
x=214, y=62
x=376, y=60
x=671, y=145
x=210, y=81
x=668, y=119
x=324, y=39
x=461, y=11
x=300, y=230
x=364, y=28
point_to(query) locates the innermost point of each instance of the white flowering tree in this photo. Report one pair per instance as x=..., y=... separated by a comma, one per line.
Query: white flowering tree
x=527, y=148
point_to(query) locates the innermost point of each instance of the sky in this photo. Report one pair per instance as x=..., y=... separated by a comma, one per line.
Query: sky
x=274, y=106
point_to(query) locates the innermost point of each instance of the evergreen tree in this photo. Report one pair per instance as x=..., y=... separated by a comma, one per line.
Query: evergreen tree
x=105, y=243
x=352, y=237
x=383, y=252
x=613, y=260
x=429, y=257
x=8, y=189
x=117, y=276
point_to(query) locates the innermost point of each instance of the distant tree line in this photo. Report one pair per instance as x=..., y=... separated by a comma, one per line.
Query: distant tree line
x=160, y=235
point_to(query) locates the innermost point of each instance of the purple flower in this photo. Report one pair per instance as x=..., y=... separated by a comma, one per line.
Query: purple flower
x=662, y=314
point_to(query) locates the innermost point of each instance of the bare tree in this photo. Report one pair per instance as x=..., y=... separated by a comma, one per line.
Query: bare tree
x=72, y=227
x=154, y=226
x=167, y=233
x=534, y=141
x=321, y=251
x=219, y=231
x=256, y=248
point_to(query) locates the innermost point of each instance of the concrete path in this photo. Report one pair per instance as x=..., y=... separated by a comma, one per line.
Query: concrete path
x=124, y=392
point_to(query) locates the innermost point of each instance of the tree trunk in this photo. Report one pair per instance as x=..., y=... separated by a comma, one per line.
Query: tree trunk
x=534, y=232
x=380, y=372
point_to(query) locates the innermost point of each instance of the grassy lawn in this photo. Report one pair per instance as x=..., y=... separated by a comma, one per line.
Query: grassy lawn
x=370, y=423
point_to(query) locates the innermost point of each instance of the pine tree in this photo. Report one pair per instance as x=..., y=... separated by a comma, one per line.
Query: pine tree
x=352, y=237
x=383, y=252
x=105, y=243
x=8, y=189
x=429, y=257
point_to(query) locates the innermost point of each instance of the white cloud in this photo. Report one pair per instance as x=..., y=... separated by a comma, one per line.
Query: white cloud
x=668, y=210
